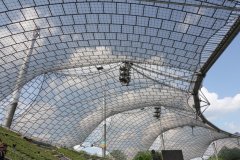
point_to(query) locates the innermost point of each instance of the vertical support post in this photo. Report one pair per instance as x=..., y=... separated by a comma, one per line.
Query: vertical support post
x=215, y=149
x=161, y=130
x=192, y=130
x=104, y=124
x=162, y=138
x=214, y=145
x=20, y=80
x=238, y=141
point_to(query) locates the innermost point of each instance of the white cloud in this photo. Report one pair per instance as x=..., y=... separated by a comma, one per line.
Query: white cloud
x=232, y=127
x=221, y=106
x=220, y=109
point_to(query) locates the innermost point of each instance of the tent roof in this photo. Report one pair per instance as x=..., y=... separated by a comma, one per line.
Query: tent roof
x=51, y=51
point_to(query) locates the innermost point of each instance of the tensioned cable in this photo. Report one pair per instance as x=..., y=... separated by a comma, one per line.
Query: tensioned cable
x=80, y=103
x=173, y=78
x=93, y=74
x=162, y=83
x=163, y=74
x=175, y=110
x=204, y=97
x=135, y=87
x=170, y=109
x=213, y=6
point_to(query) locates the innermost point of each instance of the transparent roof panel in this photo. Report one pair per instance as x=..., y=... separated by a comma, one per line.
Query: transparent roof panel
x=60, y=59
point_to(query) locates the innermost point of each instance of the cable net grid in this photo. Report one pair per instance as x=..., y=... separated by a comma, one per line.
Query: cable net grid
x=65, y=98
x=94, y=33
x=230, y=143
x=167, y=43
x=139, y=130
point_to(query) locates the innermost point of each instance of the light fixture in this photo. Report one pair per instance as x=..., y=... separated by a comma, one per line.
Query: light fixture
x=157, y=112
x=99, y=68
x=192, y=130
x=125, y=73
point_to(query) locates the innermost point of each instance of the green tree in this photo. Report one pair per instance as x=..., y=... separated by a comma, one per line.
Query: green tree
x=214, y=158
x=118, y=155
x=227, y=154
x=145, y=155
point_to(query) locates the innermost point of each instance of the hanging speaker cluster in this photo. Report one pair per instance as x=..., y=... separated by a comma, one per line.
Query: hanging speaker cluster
x=125, y=73
x=157, y=112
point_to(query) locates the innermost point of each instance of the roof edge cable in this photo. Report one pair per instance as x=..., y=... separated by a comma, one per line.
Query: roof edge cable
x=203, y=5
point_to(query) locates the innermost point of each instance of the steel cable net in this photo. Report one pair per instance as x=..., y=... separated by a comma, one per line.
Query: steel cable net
x=51, y=52
x=230, y=143
x=137, y=130
x=68, y=102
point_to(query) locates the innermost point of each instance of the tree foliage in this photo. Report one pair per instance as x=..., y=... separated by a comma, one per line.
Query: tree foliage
x=118, y=155
x=227, y=154
x=145, y=155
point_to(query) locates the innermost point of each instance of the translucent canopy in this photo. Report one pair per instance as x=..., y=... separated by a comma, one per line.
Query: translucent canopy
x=60, y=63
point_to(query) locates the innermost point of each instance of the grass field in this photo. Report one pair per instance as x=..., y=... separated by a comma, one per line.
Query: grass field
x=26, y=150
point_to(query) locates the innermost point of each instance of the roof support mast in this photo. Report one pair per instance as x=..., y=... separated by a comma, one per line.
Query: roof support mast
x=221, y=47
x=20, y=80
x=105, y=124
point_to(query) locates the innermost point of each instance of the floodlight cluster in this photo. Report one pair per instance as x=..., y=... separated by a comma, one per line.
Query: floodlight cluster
x=60, y=59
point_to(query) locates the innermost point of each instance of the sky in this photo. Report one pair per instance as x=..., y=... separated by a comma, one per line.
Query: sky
x=221, y=86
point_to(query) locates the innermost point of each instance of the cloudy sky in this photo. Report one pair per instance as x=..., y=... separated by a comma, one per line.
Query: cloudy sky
x=222, y=88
